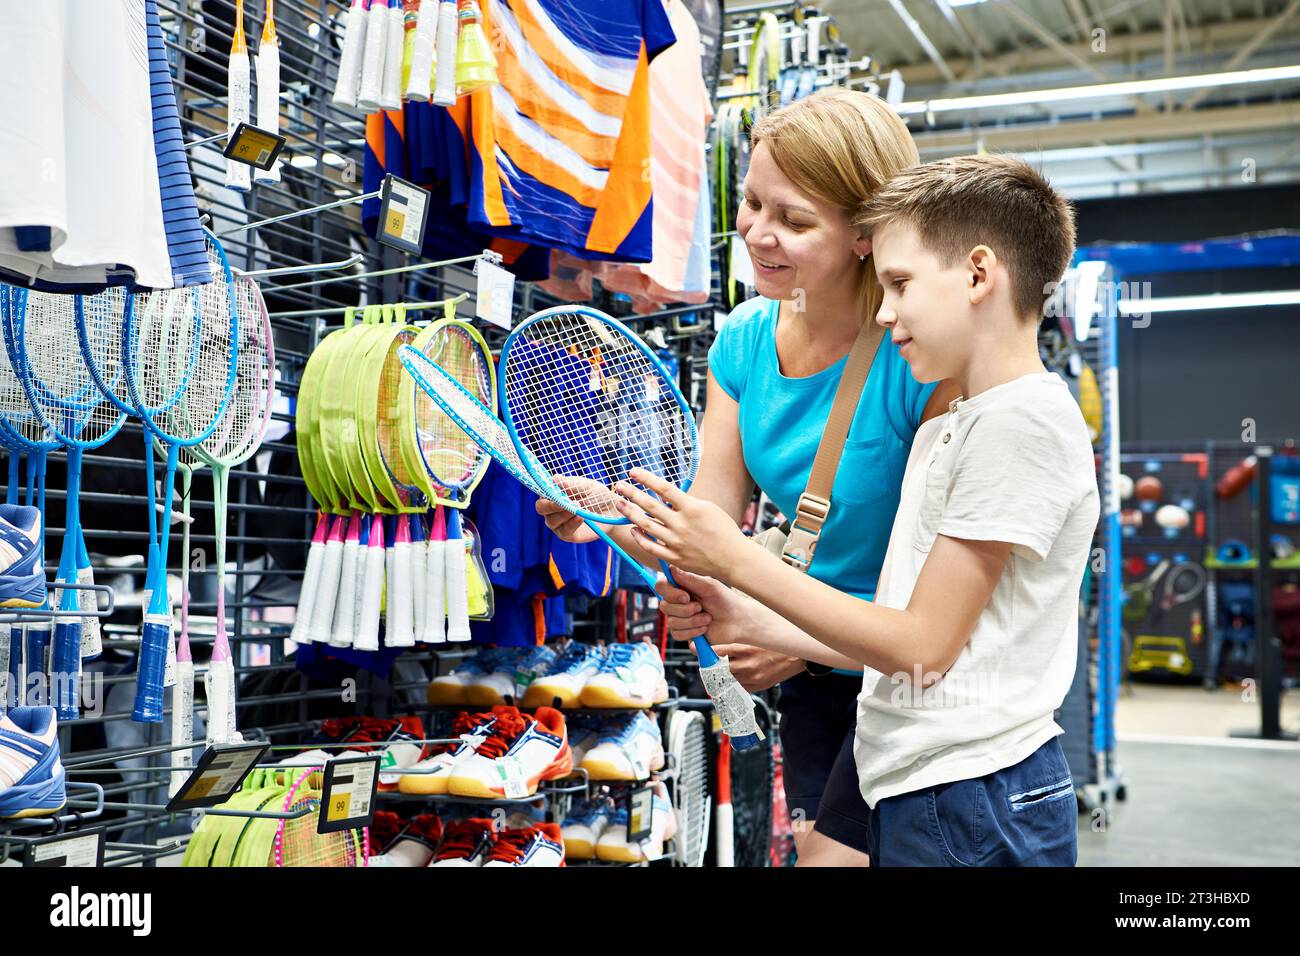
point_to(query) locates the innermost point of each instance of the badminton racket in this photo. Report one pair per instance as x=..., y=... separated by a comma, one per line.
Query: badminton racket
x=372, y=61
x=183, y=688
x=390, y=90
x=179, y=349
x=420, y=82
x=237, y=83
x=268, y=88
x=354, y=41
x=447, y=33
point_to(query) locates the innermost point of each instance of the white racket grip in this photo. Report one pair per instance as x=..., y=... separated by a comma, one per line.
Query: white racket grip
x=435, y=623
x=237, y=77
x=354, y=40
x=92, y=641
x=400, y=608
x=419, y=571
x=182, y=724
x=457, y=591
x=268, y=103
x=371, y=597
x=345, y=613
x=734, y=704
x=390, y=591
x=219, y=683
x=372, y=59
x=390, y=96
x=169, y=670
x=420, y=81
x=444, y=88
x=327, y=593
x=307, y=598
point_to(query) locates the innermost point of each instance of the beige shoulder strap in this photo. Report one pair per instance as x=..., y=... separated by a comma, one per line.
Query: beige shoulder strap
x=815, y=503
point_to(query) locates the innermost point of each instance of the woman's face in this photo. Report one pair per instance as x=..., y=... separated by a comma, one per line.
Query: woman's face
x=796, y=241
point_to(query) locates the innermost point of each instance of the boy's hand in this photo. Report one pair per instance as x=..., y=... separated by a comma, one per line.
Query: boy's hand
x=692, y=534
x=565, y=524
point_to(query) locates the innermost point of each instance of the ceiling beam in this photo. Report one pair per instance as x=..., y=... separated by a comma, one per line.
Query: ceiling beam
x=918, y=34
x=1249, y=50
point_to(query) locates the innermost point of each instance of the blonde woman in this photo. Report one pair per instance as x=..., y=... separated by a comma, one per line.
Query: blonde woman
x=773, y=372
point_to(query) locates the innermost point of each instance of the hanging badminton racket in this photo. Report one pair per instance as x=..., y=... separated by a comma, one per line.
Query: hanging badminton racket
x=41, y=341
x=237, y=92
x=420, y=83
x=448, y=33
x=733, y=704
x=179, y=351
x=354, y=41
x=454, y=463
x=268, y=88
x=183, y=688
x=237, y=436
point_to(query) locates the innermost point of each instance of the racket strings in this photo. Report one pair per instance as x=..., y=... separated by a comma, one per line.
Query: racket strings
x=451, y=456
x=242, y=425
x=591, y=405
x=389, y=424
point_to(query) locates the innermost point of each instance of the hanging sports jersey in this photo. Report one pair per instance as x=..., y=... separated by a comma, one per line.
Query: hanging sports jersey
x=561, y=146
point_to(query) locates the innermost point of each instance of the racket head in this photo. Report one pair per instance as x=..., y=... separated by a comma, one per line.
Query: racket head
x=100, y=325
x=24, y=429
x=590, y=401
x=180, y=349
x=452, y=459
x=41, y=341
x=381, y=422
x=320, y=483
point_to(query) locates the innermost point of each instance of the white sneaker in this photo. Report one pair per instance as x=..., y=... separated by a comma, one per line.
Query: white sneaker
x=540, y=845
x=613, y=845
x=584, y=826
x=452, y=690
x=465, y=843
x=631, y=675
x=565, y=678
x=515, y=668
x=432, y=773
x=630, y=747
x=522, y=751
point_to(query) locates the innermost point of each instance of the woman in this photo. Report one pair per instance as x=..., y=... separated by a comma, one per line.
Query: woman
x=773, y=372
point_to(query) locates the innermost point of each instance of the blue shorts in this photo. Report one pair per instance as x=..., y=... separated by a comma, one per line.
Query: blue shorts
x=1023, y=815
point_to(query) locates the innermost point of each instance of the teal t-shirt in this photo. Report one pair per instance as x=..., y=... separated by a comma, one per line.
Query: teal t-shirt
x=781, y=425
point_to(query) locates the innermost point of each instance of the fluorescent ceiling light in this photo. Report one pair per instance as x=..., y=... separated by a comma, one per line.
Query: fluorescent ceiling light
x=1085, y=296
x=963, y=3
x=1198, y=303
x=1098, y=90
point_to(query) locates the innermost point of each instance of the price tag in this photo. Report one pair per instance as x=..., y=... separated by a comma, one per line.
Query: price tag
x=640, y=814
x=742, y=267
x=495, y=295
x=523, y=679
x=403, y=209
x=253, y=146
x=219, y=772
x=348, y=798
x=83, y=848
x=513, y=776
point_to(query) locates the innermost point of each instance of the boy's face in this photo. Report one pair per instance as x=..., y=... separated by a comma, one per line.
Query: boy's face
x=926, y=304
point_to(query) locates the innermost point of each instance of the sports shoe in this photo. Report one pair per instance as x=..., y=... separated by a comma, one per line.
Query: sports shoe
x=521, y=752
x=465, y=843
x=415, y=845
x=22, y=571
x=451, y=690
x=584, y=826
x=402, y=748
x=513, y=671
x=541, y=845
x=631, y=675
x=584, y=733
x=564, y=681
x=470, y=731
x=630, y=747
x=31, y=774
x=613, y=845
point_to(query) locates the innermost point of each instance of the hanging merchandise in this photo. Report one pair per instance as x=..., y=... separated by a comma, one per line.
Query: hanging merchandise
x=1285, y=488
x=268, y=88
x=476, y=67
x=238, y=175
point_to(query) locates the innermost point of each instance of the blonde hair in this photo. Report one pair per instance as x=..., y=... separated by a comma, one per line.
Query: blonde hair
x=841, y=146
x=998, y=201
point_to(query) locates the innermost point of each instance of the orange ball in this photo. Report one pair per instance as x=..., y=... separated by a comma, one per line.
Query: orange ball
x=1148, y=488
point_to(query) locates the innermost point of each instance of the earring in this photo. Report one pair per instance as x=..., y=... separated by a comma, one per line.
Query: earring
x=862, y=258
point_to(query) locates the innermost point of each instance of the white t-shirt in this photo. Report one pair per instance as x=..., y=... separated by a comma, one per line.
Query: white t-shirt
x=1012, y=464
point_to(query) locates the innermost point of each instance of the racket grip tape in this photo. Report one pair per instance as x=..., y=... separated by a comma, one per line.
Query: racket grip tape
x=354, y=39
x=65, y=667
x=457, y=591
x=153, y=662
x=418, y=575
x=345, y=612
x=307, y=597
x=327, y=592
x=182, y=723
x=371, y=598
x=734, y=704
x=400, y=608
x=435, y=622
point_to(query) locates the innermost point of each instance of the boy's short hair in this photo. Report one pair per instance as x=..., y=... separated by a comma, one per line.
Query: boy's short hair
x=998, y=201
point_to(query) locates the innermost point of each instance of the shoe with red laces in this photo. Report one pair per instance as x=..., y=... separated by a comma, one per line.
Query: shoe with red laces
x=403, y=750
x=522, y=751
x=465, y=843
x=413, y=846
x=383, y=830
x=540, y=845
x=431, y=774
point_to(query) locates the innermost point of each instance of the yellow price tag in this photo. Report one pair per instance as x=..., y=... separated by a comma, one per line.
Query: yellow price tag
x=396, y=222
x=203, y=786
x=340, y=803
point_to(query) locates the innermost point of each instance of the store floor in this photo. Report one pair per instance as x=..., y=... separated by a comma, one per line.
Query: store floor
x=1195, y=796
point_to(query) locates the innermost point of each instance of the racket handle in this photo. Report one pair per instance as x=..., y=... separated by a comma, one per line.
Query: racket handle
x=301, y=632
x=734, y=704
x=345, y=613
x=417, y=573
x=182, y=723
x=420, y=81
x=153, y=661
x=268, y=102
x=399, y=633
x=372, y=60
x=390, y=589
x=372, y=592
x=444, y=89
x=65, y=668
x=327, y=594
x=457, y=588
x=219, y=684
x=92, y=641
x=354, y=40
x=435, y=576
x=390, y=96
x=169, y=669
x=237, y=76
x=8, y=675
x=36, y=639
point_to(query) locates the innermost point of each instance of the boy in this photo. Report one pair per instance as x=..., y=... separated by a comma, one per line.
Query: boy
x=970, y=645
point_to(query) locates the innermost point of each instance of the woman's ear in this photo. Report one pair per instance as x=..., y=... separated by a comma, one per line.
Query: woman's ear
x=862, y=248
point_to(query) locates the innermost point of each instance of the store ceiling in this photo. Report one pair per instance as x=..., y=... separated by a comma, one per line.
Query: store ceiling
x=1191, y=139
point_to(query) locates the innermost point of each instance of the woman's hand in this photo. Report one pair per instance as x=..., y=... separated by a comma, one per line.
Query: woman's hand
x=565, y=524
x=687, y=532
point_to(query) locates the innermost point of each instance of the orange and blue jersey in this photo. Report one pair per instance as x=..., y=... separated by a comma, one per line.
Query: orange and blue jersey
x=560, y=148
